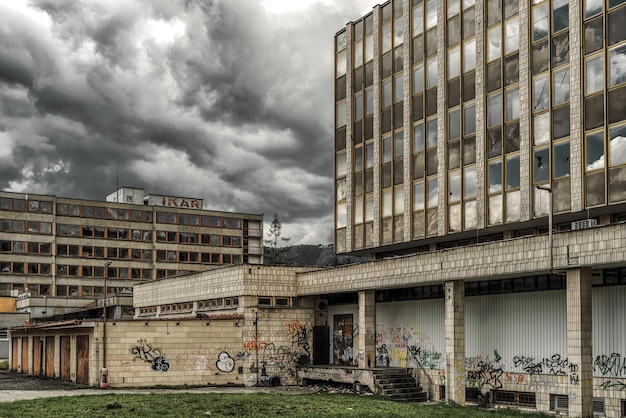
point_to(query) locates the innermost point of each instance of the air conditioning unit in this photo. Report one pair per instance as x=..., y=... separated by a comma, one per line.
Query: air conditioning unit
x=584, y=224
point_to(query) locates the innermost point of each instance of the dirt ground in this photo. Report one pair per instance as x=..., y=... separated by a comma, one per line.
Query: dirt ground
x=19, y=381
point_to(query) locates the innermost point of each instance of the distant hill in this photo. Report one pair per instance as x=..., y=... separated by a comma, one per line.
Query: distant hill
x=309, y=255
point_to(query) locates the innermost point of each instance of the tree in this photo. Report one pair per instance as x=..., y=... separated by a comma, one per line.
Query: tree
x=273, y=238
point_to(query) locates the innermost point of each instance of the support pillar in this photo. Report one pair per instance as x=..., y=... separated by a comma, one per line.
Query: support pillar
x=367, y=329
x=579, y=340
x=455, y=341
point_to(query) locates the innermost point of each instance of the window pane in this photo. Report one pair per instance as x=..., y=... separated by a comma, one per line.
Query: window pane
x=431, y=76
x=541, y=164
x=512, y=172
x=494, y=111
x=592, y=7
x=398, y=33
x=560, y=49
x=431, y=14
x=369, y=102
x=540, y=22
x=431, y=133
x=469, y=185
x=541, y=93
x=341, y=114
x=495, y=177
x=595, y=75
x=398, y=147
x=512, y=104
x=511, y=35
x=511, y=133
x=454, y=63
x=358, y=53
x=369, y=48
x=594, y=35
x=560, y=122
x=387, y=93
x=418, y=79
x=595, y=151
x=454, y=185
x=454, y=7
x=561, y=86
x=418, y=196
x=369, y=155
x=341, y=64
x=341, y=164
x=454, y=125
x=617, y=145
x=617, y=65
x=616, y=28
x=398, y=88
x=418, y=137
x=560, y=15
x=494, y=39
x=432, y=193
x=358, y=106
x=469, y=119
x=386, y=39
x=469, y=55
x=561, y=160
x=386, y=149
x=418, y=19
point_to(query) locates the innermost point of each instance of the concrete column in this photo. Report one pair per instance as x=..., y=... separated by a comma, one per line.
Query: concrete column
x=455, y=340
x=579, y=350
x=367, y=328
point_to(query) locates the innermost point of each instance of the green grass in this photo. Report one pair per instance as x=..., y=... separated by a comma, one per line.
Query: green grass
x=239, y=405
x=4, y=365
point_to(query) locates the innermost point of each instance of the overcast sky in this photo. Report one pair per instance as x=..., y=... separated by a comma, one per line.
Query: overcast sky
x=230, y=101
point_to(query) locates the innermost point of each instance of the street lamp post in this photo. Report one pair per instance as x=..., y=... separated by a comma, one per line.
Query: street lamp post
x=550, y=243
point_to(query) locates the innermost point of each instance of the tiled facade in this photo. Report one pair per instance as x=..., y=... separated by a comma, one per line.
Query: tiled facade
x=450, y=115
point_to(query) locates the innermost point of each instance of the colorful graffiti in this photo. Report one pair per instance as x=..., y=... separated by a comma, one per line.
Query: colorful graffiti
x=145, y=352
x=343, y=339
x=255, y=343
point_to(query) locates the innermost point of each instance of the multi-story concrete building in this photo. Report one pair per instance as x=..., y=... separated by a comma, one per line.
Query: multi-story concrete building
x=465, y=121
x=55, y=248
x=485, y=140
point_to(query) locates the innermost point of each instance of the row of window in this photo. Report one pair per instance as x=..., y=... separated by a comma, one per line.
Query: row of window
x=146, y=235
x=40, y=289
x=30, y=227
x=21, y=247
x=99, y=212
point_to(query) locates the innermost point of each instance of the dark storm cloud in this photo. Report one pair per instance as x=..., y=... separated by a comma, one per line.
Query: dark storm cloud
x=221, y=100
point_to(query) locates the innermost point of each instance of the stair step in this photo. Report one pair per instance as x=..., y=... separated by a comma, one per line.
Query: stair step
x=398, y=386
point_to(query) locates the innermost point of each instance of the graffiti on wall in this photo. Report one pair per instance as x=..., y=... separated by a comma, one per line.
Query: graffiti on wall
x=613, y=365
x=145, y=352
x=255, y=343
x=406, y=345
x=483, y=373
x=555, y=365
x=300, y=337
x=343, y=339
x=196, y=360
x=225, y=363
x=614, y=384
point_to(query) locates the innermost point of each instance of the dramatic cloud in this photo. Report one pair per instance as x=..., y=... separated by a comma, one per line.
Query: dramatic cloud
x=230, y=101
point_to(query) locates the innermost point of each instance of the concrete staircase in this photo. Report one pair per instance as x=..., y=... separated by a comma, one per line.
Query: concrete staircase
x=398, y=385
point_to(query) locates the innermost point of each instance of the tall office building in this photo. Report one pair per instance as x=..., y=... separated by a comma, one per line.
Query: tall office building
x=462, y=121
x=64, y=248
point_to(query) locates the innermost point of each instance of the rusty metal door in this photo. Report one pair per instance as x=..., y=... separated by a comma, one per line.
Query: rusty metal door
x=82, y=359
x=24, y=354
x=65, y=358
x=50, y=356
x=14, y=353
x=37, y=349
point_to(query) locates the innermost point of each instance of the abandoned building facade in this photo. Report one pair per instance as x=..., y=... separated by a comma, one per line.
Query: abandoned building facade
x=480, y=164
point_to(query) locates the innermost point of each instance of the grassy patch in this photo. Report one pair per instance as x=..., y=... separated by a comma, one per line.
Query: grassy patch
x=239, y=405
x=4, y=365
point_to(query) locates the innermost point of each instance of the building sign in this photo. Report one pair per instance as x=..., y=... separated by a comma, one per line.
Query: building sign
x=175, y=202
